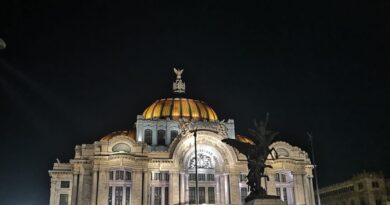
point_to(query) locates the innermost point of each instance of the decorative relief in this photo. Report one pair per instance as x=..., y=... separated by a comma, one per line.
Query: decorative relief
x=204, y=162
x=121, y=147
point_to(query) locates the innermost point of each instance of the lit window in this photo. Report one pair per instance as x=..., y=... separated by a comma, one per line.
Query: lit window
x=63, y=199
x=161, y=137
x=65, y=184
x=148, y=136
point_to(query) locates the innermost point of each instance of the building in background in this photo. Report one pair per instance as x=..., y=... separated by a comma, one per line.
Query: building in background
x=367, y=188
x=153, y=163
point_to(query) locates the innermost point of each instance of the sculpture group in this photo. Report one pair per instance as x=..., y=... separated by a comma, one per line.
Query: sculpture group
x=256, y=151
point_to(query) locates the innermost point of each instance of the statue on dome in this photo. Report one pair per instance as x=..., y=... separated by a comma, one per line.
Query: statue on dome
x=256, y=149
x=179, y=87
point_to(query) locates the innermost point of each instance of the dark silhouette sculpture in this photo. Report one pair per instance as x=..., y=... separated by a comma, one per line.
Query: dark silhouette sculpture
x=256, y=149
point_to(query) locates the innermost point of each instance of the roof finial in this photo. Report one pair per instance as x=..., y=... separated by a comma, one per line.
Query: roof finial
x=179, y=86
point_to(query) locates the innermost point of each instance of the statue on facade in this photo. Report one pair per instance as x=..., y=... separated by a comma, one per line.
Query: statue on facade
x=179, y=87
x=256, y=149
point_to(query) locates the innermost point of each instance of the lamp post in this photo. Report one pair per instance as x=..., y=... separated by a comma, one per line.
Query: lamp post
x=195, y=131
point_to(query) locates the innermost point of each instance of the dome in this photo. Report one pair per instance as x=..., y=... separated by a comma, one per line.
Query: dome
x=129, y=134
x=175, y=108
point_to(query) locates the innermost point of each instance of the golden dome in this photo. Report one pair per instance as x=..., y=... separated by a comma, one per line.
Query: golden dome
x=175, y=108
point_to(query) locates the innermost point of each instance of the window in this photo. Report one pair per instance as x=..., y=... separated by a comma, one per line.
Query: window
x=161, y=137
x=63, y=199
x=119, y=175
x=283, y=177
x=201, y=177
x=362, y=201
x=118, y=195
x=211, y=195
x=284, y=194
x=110, y=195
x=148, y=136
x=166, y=194
x=378, y=202
x=277, y=177
x=352, y=202
x=244, y=193
x=375, y=184
x=161, y=176
x=174, y=134
x=210, y=177
x=202, y=195
x=65, y=184
x=277, y=191
x=157, y=195
x=192, y=195
x=242, y=177
x=127, y=202
x=111, y=176
x=360, y=185
x=128, y=176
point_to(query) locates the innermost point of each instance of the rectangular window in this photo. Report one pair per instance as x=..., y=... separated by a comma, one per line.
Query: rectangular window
x=166, y=194
x=157, y=195
x=277, y=191
x=210, y=177
x=202, y=195
x=128, y=176
x=63, y=199
x=119, y=175
x=110, y=195
x=211, y=195
x=277, y=177
x=284, y=194
x=192, y=177
x=111, y=176
x=127, y=202
x=244, y=193
x=362, y=201
x=378, y=202
x=375, y=184
x=201, y=177
x=283, y=177
x=174, y=134
x=242, y=177
x=192, y=195
x=161, y=137
x=65, y=184
x=148, y=136
x=360, y=185
x=118, y=195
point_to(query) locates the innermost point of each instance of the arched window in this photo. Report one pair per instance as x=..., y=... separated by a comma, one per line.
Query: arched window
x=174, y=134
x=161, y=137
x=148, y=136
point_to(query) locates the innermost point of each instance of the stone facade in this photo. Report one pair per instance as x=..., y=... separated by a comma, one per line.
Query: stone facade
x=122, y=169
x=362, y=189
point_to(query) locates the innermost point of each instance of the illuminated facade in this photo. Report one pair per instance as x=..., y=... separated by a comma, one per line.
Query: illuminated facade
x=154, y=163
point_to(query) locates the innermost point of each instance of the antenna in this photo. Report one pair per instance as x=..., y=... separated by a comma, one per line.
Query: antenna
x=315, y=167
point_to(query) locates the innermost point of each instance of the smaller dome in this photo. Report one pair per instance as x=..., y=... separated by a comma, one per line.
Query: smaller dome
x=176, y=108
x=130, y=134
x=244, y=139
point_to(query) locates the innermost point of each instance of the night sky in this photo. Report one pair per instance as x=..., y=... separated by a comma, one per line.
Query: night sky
x=75, y=71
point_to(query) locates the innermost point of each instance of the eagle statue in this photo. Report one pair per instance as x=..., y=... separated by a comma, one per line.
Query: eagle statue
x=256, y=149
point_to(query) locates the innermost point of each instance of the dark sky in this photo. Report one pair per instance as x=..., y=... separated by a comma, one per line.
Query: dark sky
x=75, y=71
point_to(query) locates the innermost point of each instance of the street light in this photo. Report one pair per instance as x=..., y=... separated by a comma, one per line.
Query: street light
x=195, y=131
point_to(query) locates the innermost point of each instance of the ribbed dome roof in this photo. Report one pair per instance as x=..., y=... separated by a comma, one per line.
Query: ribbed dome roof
x=175, y=108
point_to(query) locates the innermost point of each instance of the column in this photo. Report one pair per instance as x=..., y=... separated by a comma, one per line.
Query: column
x=311, y=190
x=182, y=188
x=174, y=188
x=94, y=184
x=217, y=189
x=136, y=187
x=234, y=189
x=306, y=188
x=102, y=190
x=226, y=188
x=53, y=194
x=146, y=190
x=74, y=189
x=298, y=188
